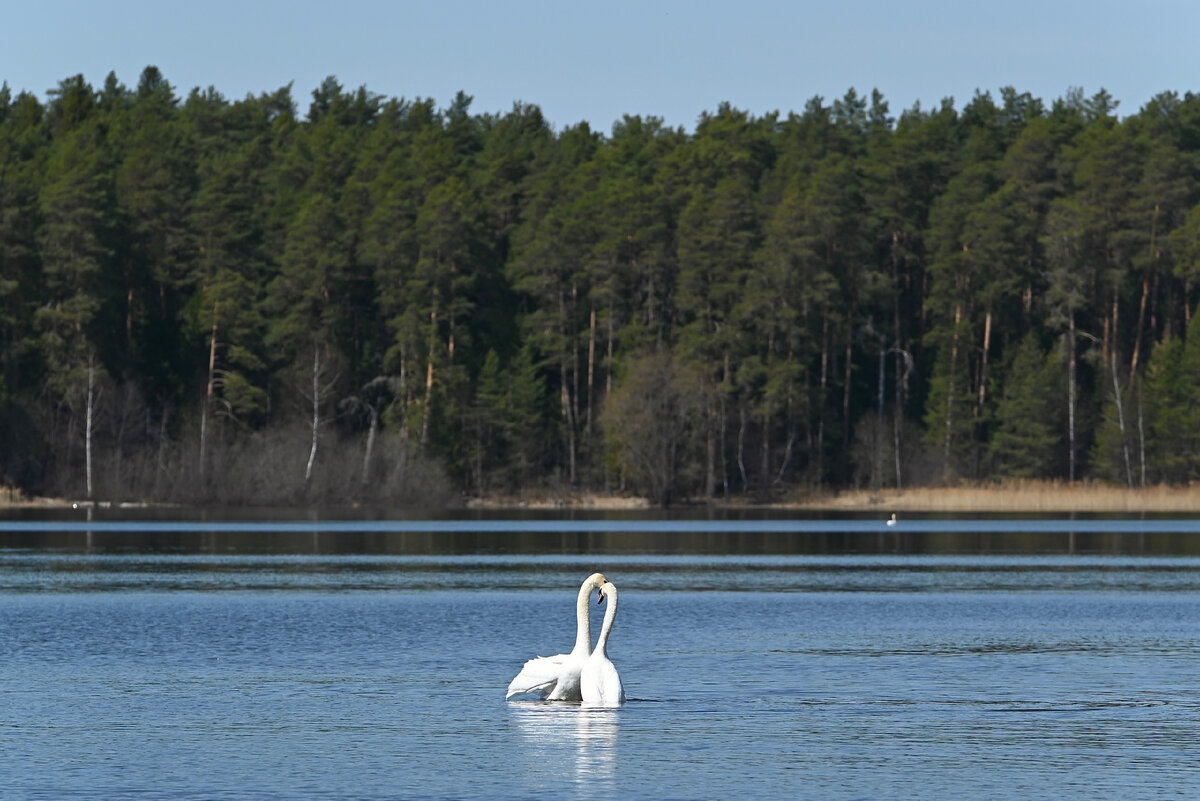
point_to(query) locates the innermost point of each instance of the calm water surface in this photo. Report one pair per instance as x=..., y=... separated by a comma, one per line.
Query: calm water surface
x=178, y=674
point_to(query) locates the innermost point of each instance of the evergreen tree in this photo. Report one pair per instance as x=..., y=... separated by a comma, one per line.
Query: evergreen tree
x=959, y=272
x=154, y=182
x=23, y=143
x=72, y=239
x=548, y=268
x=1172, y=378
x=232, y=265
x=1027, y=415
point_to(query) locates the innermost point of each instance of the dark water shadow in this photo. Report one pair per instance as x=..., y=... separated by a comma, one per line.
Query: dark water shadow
x=695, y=532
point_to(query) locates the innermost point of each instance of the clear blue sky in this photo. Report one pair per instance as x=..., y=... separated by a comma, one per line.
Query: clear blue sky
x=597, y=61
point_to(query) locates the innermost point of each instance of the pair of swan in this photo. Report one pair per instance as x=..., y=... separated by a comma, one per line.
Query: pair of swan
x=584, y=675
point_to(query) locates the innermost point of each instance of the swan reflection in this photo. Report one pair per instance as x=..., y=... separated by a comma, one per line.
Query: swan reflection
x=562, y=735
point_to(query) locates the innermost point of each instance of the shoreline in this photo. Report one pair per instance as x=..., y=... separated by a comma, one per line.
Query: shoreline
x=1015, y=497
x=1022, y=498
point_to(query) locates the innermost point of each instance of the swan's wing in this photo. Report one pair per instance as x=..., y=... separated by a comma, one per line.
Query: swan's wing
x=539, y=675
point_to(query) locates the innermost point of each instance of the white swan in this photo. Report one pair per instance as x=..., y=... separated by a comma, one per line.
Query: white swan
x=599, y=683
x=556, y=678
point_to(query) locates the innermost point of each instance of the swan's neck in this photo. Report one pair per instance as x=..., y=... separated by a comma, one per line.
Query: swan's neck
x=610, y=615
x=583, y=623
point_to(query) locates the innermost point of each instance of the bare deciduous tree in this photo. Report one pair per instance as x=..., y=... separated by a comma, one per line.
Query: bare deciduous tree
x=654, y=423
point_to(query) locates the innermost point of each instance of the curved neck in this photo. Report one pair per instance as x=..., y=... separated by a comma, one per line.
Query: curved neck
x=610, y=615
x=583, y=624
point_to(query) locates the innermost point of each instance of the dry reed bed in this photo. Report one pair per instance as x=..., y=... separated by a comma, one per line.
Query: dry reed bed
x=567, y=500
x=1014, y=497
x=11, y=497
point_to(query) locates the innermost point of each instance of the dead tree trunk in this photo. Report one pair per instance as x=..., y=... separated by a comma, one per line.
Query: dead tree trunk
x=710, y=449
x=427, y=412
x=591, y=367
x=821, y=387
x=950, y=391
x=316, y=412
x=1071, y=394
x=372, y=429
x=565, y=390
x=983, y=374
x=741, y=445
x=90, y=416
x=1121, y=420
x=210, y=388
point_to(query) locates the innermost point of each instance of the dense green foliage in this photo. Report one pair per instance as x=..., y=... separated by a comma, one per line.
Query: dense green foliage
x=383, y=299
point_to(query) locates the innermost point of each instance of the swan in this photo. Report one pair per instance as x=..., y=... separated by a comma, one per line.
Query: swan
x=556, y=678
x=599, y=683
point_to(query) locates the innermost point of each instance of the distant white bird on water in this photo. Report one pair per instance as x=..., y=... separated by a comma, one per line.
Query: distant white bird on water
x=556, y=678
x=892, y=520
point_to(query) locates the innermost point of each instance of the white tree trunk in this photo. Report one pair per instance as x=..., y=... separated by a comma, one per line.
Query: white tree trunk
x=1071, y=393
x=1121, y=421
x=366, y=468
x=316, y=409
x=950, y=392
x=208, y=394
x=1141, y=437
x=591, y=367
x=91, y=407
x=427, y=412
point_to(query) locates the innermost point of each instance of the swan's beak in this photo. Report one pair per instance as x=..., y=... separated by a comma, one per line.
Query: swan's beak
x=600, y=600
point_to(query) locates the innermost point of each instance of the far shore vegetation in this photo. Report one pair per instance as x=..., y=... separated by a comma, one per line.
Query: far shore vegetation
x=1006, y=497
x=988, y=304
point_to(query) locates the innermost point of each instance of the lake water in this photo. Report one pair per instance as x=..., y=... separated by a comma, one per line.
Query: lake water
x=226, y=664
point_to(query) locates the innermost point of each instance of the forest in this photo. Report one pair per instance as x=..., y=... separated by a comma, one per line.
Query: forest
x=382, y=300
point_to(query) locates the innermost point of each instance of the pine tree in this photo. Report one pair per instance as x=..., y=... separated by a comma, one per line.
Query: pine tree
x=1172, y=379
x=1026, y=436
x=153, y=184
x=72, y=240
x=960, y=271
x=528, y=415
x=23, y=143
x=549, y=268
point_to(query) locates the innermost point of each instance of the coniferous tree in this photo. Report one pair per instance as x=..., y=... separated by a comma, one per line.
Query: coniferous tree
x=23, y=141
x=73, y=241
x=154, y=181
x=553, y=248
x=1027, y=415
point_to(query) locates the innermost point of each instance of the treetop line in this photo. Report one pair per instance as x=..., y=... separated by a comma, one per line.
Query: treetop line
x=208, y=300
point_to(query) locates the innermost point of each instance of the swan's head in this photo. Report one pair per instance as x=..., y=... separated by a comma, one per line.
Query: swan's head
x=607, y=589
x=594, y=581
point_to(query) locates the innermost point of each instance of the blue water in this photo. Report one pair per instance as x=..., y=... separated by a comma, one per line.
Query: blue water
x=195, y=675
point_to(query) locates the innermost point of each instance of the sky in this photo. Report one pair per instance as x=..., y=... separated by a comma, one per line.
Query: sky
x=600, y=61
